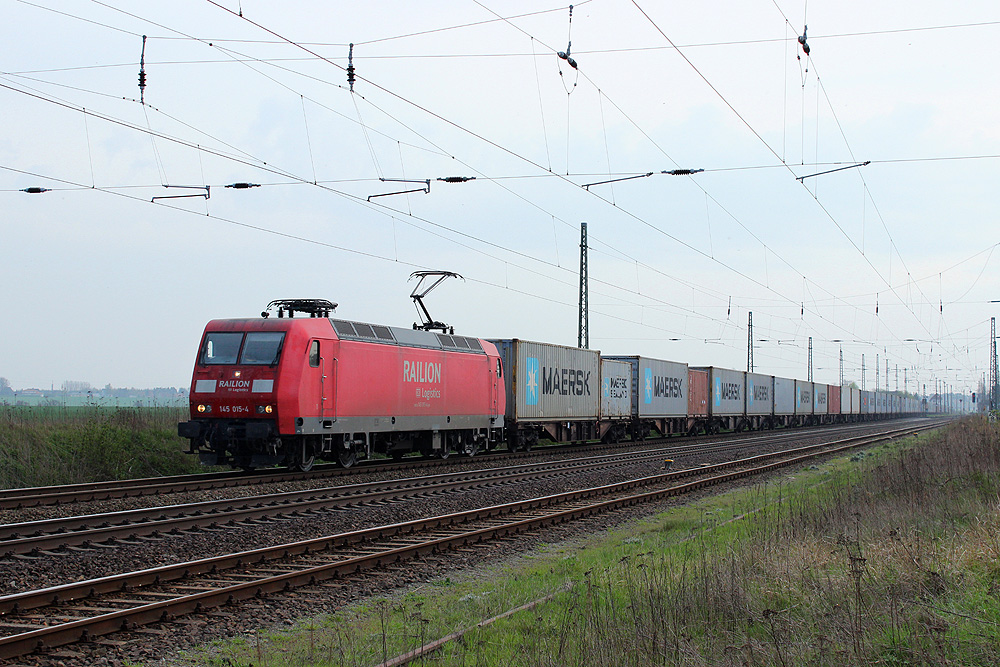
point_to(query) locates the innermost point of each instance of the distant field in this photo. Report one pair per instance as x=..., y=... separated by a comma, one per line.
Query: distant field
x=63, y=444
x=88, y=401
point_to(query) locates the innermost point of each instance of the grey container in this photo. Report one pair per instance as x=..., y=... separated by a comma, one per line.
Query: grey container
x=548, y=382
x=659, y=388
x=821, y=405
x=803, y=397
x=760, y=394
x=856, y=401
x=784, y=396
x=616, y=389
x=725, y=391
x=845, y=400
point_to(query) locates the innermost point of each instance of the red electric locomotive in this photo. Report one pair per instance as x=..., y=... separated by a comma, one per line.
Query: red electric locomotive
x=288, y=390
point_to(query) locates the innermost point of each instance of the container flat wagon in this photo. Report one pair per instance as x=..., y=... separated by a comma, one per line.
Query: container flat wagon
x=820, y=403
x=553, y=392
x=784, y=401
x=726, y=402
x=660, y=396
x=616, y=400
x=759, y=401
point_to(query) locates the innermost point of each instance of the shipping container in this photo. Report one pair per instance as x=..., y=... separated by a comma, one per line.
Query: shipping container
x=820, y=399
x=784, y=396
x=725, y=392
x=845, y=400
x=760, y=394
x=803, y=397
x=697, y=393
x=616, y=389
x=659, y=388
x=856, y=408
x=834, y=394
x=548, y=382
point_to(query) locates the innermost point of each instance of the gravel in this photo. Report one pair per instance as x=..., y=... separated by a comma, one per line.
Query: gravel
x=161, y=641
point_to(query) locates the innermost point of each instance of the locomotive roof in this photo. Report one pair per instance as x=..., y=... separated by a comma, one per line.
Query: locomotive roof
x=377, y=333
x=362, y=331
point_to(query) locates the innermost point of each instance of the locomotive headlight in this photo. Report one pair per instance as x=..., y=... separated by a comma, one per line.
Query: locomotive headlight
x=268, y=409
x=204, y=408
x=264, y=409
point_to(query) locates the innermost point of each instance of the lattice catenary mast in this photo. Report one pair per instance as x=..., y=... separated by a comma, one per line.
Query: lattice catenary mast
x=583, y=339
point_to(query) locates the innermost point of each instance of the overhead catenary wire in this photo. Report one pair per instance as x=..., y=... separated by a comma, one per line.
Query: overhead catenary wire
x=713, y=253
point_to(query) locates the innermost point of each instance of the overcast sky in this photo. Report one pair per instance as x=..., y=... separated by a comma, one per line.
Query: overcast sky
x=894, y=259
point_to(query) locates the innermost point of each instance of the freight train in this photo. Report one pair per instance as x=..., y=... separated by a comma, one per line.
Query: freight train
x=290, y=390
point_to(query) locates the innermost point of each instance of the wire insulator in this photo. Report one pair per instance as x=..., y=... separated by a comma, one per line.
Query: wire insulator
x=34, y=190
x=243, y=185
x=350, y=67
x=142, y=72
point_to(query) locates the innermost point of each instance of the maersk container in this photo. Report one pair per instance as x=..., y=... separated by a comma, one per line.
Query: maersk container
x=760, y=394
x=548, y=382
x=803, y=397
x=616, y=389
x=856, y=401
x=833, y=404
x=659, y=388
x=820, y=399
x=725, y=391
x=697, y=393
x=784, y=396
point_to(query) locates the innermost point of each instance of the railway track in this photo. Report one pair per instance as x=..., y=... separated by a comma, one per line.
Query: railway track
x=157, y=486
x=44, y=537
x=81, y=611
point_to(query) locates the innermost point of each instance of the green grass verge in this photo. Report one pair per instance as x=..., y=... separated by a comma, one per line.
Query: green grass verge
x=890, y=557
x=62, y=445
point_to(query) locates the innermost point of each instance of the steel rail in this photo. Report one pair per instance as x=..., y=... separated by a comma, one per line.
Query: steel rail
x=132, y=488
x=47, y=535
x=449, y=533
x=50, y=534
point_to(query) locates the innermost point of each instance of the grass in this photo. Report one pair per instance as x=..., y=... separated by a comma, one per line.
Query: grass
x=62, y=445
x=887, y=558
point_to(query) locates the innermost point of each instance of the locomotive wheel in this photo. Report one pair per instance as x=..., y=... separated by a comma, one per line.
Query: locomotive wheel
x=471, y=448
x=347, y=458
x=304, y=460
x=444, y=453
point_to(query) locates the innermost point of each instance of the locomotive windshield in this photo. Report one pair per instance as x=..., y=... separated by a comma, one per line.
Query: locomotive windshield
x=262, y=348
x=221, y=348
x=259, y=349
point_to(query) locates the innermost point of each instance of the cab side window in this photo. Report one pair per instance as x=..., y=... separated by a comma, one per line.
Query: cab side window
x=499, y=368
x=314, y=354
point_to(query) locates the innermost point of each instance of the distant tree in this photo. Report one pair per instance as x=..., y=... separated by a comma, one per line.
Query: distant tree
x=5, y=389
x=76, y=386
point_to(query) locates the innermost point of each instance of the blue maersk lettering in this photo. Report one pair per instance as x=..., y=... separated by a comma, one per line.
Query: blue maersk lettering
x=565, y=381
x=662, y=386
